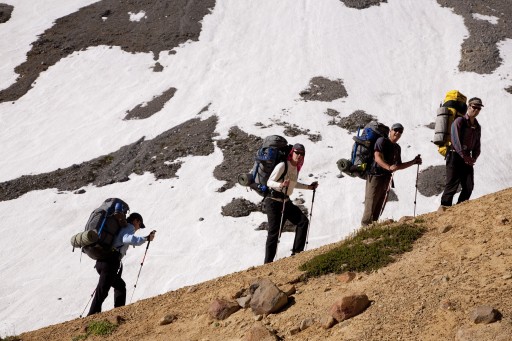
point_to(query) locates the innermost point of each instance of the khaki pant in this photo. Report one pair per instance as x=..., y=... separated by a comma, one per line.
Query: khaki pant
x=375, y=194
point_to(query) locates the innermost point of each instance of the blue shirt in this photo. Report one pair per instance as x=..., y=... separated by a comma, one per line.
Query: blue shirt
x=127, y=237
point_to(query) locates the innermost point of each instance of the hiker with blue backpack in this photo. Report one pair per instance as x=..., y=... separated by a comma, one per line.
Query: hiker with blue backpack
x=387, y=160
x=279, y=208
x=110, y=268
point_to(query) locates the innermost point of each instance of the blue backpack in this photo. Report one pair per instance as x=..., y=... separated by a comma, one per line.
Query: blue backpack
x=274, y=150
x=362, y=159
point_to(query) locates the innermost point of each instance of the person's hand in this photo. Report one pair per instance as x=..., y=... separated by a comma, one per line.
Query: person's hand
x=285, y=183
x=469, y=160
x=393, y=168
x=313, y=185
x=151, y=236
x=417, y=160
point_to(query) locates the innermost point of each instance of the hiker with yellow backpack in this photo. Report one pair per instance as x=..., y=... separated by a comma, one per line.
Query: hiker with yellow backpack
x=460, y=144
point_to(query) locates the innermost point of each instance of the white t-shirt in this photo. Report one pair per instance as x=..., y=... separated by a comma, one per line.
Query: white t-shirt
x=291, y=174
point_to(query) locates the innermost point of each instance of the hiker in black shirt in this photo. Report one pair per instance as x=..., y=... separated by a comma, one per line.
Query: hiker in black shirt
x=387, y=155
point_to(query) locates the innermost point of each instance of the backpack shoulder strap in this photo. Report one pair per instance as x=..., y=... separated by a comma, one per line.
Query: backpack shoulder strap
x=285, y=171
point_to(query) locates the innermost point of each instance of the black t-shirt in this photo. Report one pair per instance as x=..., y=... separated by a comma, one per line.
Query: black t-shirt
x=391, y=153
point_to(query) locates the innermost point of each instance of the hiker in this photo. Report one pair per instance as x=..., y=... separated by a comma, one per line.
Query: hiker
x=110, y=270
x=280, y=192
x=464, y=150
x=387, y=160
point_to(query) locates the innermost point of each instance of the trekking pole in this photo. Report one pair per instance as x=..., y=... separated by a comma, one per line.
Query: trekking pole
x=416, y=193
x=140, y=269
x=310, y=215
x=82, y=314
x=386, y=196
x=282, y=216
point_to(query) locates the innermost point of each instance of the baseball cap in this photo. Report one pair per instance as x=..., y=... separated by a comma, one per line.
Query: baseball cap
x=476, y=101
x=397, y=126
x=299, y=147
x=138, y=217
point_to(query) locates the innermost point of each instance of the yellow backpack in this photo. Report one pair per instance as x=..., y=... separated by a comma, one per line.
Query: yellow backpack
x=453, y=106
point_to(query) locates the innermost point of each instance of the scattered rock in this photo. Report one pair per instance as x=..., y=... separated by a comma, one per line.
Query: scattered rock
x=289, y=289
x=485, y=315
x=294, y=330
x=244, y=301
x=266, y=297
x=328, y=322
x=221, y=309
x=349, y=306
x=346, y=277
x=306, y=323
x=167, y=319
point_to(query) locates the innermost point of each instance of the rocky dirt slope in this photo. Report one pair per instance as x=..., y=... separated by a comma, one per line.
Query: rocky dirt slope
x=463, y=261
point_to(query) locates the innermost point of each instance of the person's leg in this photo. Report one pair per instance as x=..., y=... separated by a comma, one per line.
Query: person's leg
x=107, y=273
x=274, y=209
x=467, y=183
x=368, y=202
x=296, y=217
x=119, y=289
x=382, y=186
x=452, y=178
x=375, y=193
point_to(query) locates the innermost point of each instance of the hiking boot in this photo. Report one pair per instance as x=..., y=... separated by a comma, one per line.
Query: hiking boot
x=442, y=208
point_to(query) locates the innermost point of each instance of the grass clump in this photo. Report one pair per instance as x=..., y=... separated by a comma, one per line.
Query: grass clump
x=371, y=248
x=101, y=328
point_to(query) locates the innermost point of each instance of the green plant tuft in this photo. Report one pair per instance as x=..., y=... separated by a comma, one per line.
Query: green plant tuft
x=371, y=248
x=101, y=327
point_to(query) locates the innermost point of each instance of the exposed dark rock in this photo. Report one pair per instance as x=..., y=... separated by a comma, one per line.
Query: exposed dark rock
x=152, y=107
x=239, y=149
x=362, y=4
x=167, y=25
x=431, y=180
x=479, y=51
x=157, y=156
x=5, y=13
x=239, y=207
x=357, y=119
x=323, y=89
x=292, y=130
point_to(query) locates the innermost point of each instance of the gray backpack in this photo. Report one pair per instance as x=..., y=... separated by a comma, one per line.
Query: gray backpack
x=101, y=229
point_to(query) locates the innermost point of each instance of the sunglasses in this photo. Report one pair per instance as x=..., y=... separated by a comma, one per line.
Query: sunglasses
x=476, y=107
x=400, y=131
x=298, y=153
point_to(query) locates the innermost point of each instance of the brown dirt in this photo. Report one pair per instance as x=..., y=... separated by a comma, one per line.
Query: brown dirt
x=427, y=294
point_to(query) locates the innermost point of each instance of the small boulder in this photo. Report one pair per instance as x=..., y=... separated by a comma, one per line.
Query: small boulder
x=221, y=309
x=349, y=306
x=485, y=315
x=266, y=298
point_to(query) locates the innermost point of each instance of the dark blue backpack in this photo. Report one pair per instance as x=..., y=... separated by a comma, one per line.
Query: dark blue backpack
x=274, y=150
x=362, y=158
